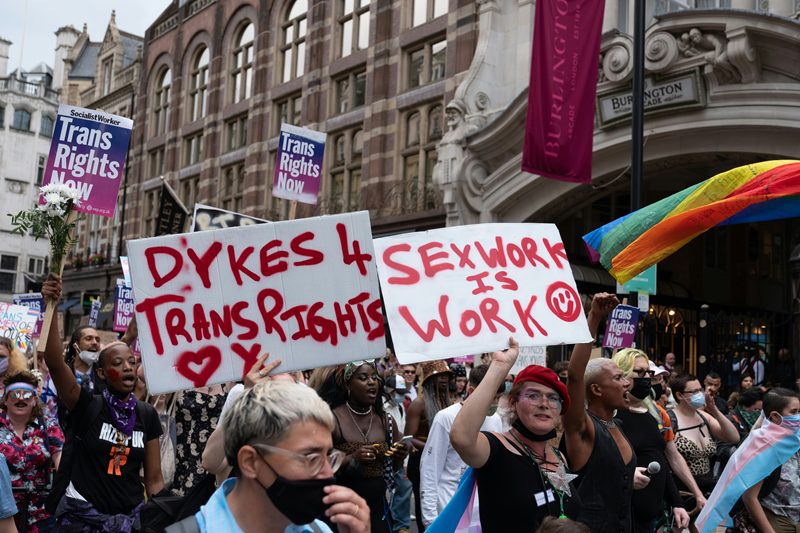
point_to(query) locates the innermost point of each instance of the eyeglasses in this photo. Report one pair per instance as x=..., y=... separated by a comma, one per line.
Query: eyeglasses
x=409, y=371
x=553, y=400
x=313, y=462
x=16, y=395
x=642, y=372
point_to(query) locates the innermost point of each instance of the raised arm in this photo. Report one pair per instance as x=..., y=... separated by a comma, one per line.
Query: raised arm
x=466, y=436
x=66, y=385
x=721, y=428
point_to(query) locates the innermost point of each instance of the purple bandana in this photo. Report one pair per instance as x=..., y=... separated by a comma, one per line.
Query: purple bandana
x=123, y=413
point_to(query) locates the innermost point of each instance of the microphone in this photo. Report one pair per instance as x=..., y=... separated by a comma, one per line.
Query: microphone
x=652, y=469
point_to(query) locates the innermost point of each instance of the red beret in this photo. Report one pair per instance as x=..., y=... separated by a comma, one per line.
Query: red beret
x=548, y=378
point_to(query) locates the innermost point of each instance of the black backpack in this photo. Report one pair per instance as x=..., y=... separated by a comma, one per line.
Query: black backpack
x=167, y=508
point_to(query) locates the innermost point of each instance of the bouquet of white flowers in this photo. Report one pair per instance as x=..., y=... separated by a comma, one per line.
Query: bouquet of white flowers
x=55, y=219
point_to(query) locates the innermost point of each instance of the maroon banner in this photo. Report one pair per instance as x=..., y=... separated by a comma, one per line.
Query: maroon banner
x=561, y=93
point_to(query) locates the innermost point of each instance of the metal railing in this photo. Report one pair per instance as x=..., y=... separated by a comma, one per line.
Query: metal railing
x=31, y=89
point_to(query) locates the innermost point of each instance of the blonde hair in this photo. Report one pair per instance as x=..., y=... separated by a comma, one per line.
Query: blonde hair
x=626, y=358
x=17, y=362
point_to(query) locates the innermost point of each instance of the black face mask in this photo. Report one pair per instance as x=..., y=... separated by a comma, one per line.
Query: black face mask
x=562, y=379
x=658, y=390
x=641, y=388
x=299, y=500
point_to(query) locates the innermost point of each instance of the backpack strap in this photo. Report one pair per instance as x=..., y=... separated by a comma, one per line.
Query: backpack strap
x=92, y=414
x=673, y=420
x=187, y=525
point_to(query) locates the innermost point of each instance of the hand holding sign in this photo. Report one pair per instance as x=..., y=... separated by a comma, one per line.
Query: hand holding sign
x=508, y=356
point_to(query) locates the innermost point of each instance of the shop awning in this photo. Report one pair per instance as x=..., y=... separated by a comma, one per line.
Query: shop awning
x=68, y=304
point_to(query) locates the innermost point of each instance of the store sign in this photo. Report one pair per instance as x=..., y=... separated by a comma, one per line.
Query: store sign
x=645, y=282
x=678, y=91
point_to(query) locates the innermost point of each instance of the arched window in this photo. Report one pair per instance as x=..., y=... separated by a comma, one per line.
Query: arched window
x=46, y=126
x=161, y=102
x=198, y=85
x=423, y=132
x=435, y=123
x=344, y=190
x=22, y=119
x=242, y=63
x=412, y=130
x=293, y=45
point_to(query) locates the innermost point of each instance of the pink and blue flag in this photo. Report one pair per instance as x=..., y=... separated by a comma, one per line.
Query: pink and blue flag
x=460, y=515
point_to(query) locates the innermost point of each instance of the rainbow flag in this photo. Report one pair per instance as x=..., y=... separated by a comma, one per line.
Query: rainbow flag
x=764, y=450
x=769, y=190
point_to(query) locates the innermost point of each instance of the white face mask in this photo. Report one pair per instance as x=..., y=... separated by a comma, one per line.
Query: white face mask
x=87, y=356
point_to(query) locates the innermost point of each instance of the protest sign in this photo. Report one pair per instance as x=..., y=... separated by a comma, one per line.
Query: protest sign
x=466, y=289
x=209, y=303
x=209, y=218
x=126, y=269
x=35, y=302
x=171, y=212
x=17, y=322
x=621, y=327
x=529, y=355
x=95, y=312
x=88, y=154
x=123, y=308
x=298, y=165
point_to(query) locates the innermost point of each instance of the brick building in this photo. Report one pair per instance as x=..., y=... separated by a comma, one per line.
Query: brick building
x=219, y=77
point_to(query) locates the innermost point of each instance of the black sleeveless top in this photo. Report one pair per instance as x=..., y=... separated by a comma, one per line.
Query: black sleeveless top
x=514, y=497
x=606, y=485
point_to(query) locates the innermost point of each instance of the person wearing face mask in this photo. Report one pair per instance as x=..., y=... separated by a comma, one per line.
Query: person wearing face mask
x=764, y=471
x=647, y=427
x=12, y=360
x=441, y=467
x=561, y=368
x=278, y=438
x=697, y=424
x=747, y=411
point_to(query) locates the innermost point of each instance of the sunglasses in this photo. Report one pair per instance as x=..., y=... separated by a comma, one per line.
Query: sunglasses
x=16, y=395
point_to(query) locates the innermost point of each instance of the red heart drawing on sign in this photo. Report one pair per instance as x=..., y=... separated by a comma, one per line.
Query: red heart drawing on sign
x=208, y=359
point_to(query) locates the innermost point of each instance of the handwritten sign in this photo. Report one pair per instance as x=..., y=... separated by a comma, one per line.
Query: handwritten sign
x=88, y=154
x=621, y=327
x=209, y=218
x=466, y=289
x=298, y=167
x=209, y=303
x=529, y=355
x=35, y=302
x=17, y=323
x=123, y=308
x=95, y=312
x=126, y=269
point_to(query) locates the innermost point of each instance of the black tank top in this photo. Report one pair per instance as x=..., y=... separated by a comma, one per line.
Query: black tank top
x=513, y=494
x=605, y=485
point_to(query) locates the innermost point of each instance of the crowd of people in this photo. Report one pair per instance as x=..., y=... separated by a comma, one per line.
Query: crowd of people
x=624, y=444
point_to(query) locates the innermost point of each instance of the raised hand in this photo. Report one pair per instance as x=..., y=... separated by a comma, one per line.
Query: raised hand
x=509, y=356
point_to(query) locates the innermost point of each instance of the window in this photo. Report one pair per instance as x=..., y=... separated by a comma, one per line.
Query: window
x=107, y=73
x=345, y=173
x=8, y=272
x=40, y=164
x=157, y=162
x=192, y=149
x=293, y=48
x=198, y=85
x=290, y=111
x=350, y=92
x=161, y=102
x=187, y=191
x=151, y=201
x=423, y=129
x=236, y=133
x=427, y=64
x=424, y=10
x=46, y=126
x=36, y=266
x=22, y=119
x=242, y=73
x=353, y=26
x=232, y=187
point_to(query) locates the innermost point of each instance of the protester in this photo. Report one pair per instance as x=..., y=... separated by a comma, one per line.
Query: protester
x=647, y=428
x=713, y=383
x=278, y=436
x=521, y=478
x=8, y=507
x=745, y=383
x=561, y=525
x=561, y=368
x=460, y=373
x=12, y=360
x=393, y=405
x=696, y=422
x=31, y=444
x=747, y=411
x=118, y=436
x=410, y=377
x=660, y=390
x=369, y=438
x=669, y=362
x=596, y=448
x=779, y=510
x=434, y=397
x=441, y=467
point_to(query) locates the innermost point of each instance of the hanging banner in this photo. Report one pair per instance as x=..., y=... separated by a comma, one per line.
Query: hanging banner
x=123, y=308
x=88, y=154
x=94, y=313
x=466, y=289
x=208, y=218
x=17, y=323
x=208, y=304
x=561, y=94
x=621, y=327
x=298, y=165
x=35, y=302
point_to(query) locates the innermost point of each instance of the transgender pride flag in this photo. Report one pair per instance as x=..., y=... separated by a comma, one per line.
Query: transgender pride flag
x=460, y=515
x=764, y=450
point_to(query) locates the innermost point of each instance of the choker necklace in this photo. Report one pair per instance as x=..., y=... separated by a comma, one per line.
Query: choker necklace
x=528, y=434
x=607, y=423
x=359, y=413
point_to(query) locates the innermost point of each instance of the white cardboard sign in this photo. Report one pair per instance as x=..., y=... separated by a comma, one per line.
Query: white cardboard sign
x=209, y=303
x=466, y=289
x=529, y=355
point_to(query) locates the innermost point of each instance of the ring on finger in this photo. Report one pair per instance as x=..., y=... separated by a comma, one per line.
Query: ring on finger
x=262, y=372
